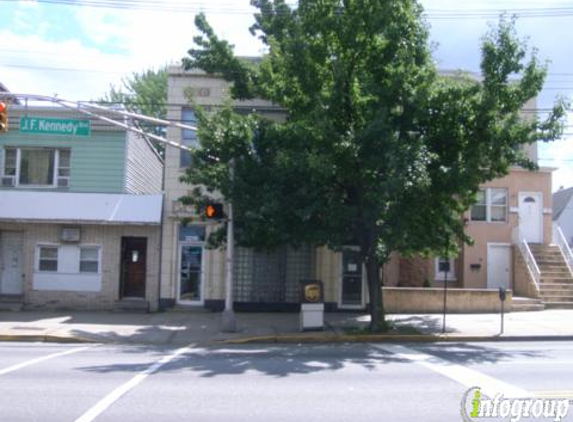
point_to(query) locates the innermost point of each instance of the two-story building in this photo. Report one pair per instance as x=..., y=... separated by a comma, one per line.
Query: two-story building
x=509, y=211
x=80, y=213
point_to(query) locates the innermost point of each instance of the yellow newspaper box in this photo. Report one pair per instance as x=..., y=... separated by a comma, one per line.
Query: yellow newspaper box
x=312, y=305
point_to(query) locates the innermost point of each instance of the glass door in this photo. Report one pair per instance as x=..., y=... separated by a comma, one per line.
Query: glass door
x=352, y=285
x=191, y=274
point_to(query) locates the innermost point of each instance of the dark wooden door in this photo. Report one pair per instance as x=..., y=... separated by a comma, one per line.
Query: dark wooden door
x=133, y=266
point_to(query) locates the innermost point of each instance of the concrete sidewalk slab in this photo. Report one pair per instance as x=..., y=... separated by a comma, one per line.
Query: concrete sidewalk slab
x=189, y=327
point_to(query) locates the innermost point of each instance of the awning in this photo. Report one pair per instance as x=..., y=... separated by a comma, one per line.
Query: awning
x=86, y=208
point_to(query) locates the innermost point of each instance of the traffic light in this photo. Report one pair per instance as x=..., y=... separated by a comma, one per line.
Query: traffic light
x=3, y=117
x=214, y=211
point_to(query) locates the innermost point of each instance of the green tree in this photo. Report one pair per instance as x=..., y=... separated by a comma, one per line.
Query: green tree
x=143, y=93
x=377, y=149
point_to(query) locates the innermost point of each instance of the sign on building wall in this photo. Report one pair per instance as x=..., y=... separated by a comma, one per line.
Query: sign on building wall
x=52, y=126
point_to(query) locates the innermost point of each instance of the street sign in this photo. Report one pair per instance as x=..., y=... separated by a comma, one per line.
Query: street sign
x=52, y=126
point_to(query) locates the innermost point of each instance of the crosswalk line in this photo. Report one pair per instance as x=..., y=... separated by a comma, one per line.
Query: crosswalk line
x=490, y=386
x=42, y=359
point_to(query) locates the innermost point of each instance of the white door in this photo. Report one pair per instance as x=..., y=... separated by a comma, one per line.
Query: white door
x=11, y=263
x=531, y=216
x=498, y=266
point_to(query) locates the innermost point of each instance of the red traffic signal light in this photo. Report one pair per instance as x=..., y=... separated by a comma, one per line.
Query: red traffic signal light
x=3, y=117
x=214, y=211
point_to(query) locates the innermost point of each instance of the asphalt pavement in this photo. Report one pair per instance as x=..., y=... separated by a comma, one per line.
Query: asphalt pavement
x=398, y=382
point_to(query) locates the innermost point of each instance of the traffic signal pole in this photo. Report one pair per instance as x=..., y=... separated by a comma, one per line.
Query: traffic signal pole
x=228, y=320
x=89, y=109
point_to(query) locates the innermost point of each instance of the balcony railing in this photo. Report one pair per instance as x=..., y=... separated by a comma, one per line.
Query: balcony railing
x=559, y=240
x=528, y=257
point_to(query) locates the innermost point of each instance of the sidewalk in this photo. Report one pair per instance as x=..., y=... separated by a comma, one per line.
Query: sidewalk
x=201, y=327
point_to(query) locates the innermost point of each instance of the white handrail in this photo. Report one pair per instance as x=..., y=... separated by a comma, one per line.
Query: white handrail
x=528, y=257
x=559, y=240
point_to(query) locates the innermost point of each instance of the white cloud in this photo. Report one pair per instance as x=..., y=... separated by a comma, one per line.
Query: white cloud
x=115, y=42
x=36, y=66
x=112, y=43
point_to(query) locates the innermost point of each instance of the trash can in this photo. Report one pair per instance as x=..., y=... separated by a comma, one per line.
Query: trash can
x=311, y=305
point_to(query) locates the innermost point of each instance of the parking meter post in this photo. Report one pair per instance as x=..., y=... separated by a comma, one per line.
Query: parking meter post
x=502, y=296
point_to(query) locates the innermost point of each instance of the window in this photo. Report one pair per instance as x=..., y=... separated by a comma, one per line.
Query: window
x=69, y=259
x=89, y=260
x=48, y=260
x=445, y=268
x=188, y=136
x=491, y=205
x=46, y=167
x=64, y=168
x=192, y=233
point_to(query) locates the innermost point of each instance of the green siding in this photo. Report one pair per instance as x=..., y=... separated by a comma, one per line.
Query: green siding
x=97, y=162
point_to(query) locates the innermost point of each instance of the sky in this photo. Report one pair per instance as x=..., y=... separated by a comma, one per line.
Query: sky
x=77, y=49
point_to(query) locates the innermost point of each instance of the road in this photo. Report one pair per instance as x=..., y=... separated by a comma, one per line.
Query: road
x=353, y=382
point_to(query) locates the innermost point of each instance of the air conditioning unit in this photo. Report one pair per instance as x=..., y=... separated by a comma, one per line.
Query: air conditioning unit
x=8, y=181
x=70, y=234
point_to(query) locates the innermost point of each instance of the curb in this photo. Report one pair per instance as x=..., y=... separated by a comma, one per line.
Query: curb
x=45, y=338
x=301, y=339
x=386, y=338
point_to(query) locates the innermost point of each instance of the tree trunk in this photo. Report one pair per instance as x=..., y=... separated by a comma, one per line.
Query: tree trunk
x=377, y=317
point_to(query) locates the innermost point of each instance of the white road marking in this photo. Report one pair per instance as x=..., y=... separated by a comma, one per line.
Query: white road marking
x=43, y=358
x=470, y=378
x=112, y=397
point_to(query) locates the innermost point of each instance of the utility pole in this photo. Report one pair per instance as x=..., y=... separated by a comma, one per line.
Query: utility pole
x=228, y=320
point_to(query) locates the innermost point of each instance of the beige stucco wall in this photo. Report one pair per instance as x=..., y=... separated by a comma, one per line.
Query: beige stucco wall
x=106, y=236
x=431, y=300
x=482, y=232
x=209, y=92
x=523, y=282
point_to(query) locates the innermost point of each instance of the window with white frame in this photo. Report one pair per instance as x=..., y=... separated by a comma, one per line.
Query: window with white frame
x=36, y=167
x=69, y=259
x=445, y=269
x=89, y=259
x=188, y=136
x=48, y=258
x=491, y=205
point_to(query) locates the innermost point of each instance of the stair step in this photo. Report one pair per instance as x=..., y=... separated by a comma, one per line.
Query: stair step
x=555, y=274
x=11, y=302
x=548, y=291
x=558, y=305
x=11, y=306
x=526, y=304
x=131, y=305
x=551, y=264
x=555, y=285
x=543, y=246
x=547, y=255
x=557, y=299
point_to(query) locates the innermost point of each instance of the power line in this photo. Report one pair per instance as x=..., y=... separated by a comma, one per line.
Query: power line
x=118, y=72
x=62, y=69
x=229, y=8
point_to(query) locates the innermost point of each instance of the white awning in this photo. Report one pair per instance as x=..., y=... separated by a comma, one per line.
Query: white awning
x=86, y=208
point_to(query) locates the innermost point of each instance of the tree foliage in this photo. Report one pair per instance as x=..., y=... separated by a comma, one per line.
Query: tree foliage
x=143, y=93
x=378, y=149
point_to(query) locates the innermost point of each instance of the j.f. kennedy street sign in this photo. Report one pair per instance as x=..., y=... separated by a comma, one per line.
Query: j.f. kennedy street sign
x=53, y=126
